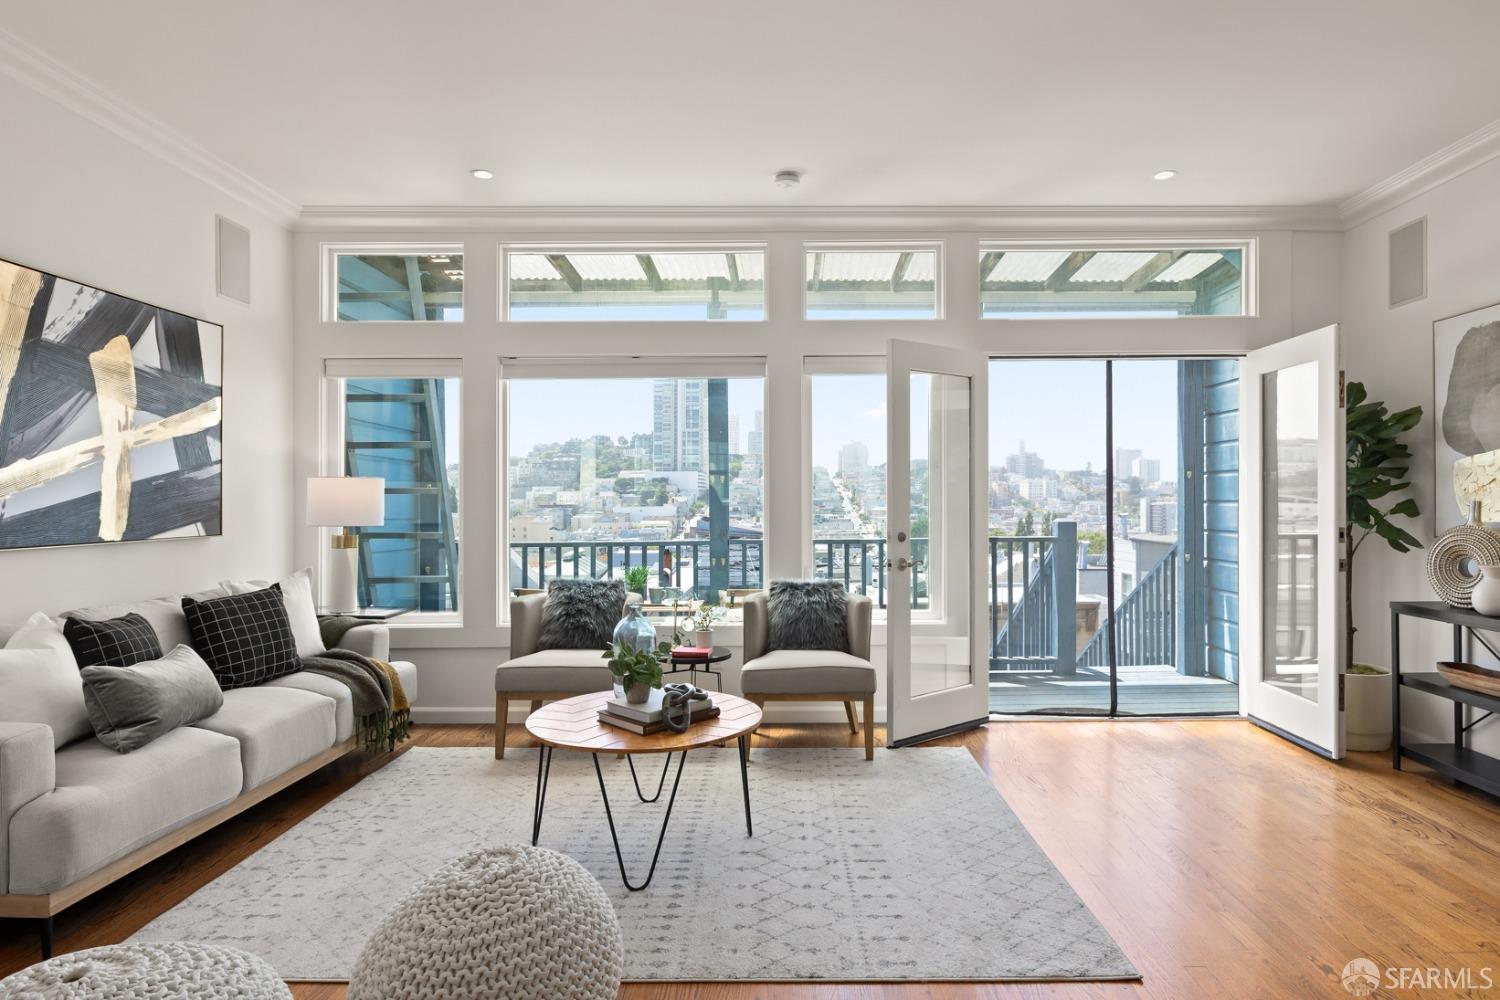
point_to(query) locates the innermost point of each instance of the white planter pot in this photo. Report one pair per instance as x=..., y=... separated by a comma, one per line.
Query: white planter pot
x=1486, y=595
x=1367, y=711
x=704, y=638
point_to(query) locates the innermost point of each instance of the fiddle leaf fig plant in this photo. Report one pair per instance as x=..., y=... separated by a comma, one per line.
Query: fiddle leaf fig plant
x=1376, y=467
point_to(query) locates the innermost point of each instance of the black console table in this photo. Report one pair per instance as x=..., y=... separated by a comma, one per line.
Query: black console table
x=1454, y=759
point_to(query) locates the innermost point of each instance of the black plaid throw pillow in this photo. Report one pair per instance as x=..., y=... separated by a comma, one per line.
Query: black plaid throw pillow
x=113, y=642
x=245, y=639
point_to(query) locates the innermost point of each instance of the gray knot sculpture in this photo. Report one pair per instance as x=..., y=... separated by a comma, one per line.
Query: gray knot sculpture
x=677, y=705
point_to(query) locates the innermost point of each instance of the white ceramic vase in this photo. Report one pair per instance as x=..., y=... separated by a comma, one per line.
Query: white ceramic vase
x=1486, y=596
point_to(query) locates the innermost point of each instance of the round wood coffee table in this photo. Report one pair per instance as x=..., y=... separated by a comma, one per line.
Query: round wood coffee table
x=573, y=724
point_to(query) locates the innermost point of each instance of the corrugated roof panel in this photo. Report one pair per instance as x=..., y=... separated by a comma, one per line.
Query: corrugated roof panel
x=752, y=266
x=855, y=265
x=1189, y=266
x=922, y=266
x=1113, y=265
x=607, y=266
x=1027, y=265
x=532, y=267
x=690, y=266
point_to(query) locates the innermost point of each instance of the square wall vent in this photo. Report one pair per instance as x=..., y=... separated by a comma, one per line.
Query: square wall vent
x=1409, y=263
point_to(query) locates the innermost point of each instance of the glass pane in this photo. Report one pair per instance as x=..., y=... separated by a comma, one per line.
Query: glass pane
x=848, y=483
x=396, y=288
x=1290, y=502
x=658, y=475
x=603, y=286
x=872, y=284
x=1047, y=572
x=406, y=431
x=1176, y=609
x=1028, y=284
x=940, y=654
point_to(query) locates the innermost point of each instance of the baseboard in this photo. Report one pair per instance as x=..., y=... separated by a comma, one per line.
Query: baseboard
x=790, y=713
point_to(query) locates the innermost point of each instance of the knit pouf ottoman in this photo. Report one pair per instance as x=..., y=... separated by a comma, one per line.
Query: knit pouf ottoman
x=518, y=923
x=154, y=971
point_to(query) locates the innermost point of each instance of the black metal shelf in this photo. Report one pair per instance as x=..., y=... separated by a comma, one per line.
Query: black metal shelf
x=1454, y=760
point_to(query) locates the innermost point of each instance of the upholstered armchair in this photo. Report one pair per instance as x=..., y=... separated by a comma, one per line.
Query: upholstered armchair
x=812, y=674
x=543, y=675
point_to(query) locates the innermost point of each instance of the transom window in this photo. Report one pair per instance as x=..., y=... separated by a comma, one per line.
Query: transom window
x=872, y=282
x=626, y=283
x=1028, y=281
x=395, y=284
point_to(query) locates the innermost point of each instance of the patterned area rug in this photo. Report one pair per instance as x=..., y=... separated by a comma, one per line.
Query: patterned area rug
x=910, y=867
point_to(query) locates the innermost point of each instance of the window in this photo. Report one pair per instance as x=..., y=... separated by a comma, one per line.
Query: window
x=659, y=470
x=1028, y=281
x=848, y=482
x=895, y=282
x=396, y=284
x=399, y=420
x=544, y=283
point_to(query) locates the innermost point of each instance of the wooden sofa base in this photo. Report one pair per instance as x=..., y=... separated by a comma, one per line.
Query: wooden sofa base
x=848, y=699
x=502, y=710
x=43, y=907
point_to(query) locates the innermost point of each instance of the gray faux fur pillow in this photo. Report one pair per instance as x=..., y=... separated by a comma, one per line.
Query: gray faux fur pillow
x=581, y=614
x=807, y=614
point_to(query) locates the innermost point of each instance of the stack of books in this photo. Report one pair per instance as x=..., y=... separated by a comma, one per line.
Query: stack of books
x=647, y=717
x=691, y=652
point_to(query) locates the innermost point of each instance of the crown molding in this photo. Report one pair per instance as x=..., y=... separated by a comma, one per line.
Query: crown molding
x=992, y=220
x=47, y=76
x=1474, y=149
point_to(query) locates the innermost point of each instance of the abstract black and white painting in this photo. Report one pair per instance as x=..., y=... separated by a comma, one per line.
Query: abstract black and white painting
x=110, y=416
x=1466, y=394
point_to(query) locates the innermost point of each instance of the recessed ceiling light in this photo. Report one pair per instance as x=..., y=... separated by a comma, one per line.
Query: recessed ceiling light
x=1164, y=175
x=787, y=178
x=482, y=174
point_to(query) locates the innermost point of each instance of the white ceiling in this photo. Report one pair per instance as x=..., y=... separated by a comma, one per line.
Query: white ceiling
x=880, y=102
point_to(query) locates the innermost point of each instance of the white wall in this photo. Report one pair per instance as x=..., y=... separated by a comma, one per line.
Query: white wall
x=1390, y=350
x=79, y=201
x=457, y=661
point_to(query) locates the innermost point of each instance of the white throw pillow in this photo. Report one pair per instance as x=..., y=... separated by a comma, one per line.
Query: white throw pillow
x=41, y=682
x=301, y=610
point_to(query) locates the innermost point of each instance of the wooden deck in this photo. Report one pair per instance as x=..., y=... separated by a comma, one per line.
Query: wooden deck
x=1147, y=690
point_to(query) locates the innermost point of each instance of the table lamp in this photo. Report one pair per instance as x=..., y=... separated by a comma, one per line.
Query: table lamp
x=344, y=502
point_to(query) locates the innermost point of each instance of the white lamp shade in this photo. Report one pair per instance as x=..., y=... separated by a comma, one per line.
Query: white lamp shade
x=345, y=501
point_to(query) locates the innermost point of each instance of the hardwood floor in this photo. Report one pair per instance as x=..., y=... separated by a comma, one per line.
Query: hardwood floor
x=1225, y=861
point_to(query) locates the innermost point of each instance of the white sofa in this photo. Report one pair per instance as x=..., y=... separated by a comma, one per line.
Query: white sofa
x=75, y=818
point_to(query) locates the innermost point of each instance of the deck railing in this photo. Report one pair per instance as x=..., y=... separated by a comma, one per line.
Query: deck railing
x=1033, y=600
x=1145, y=622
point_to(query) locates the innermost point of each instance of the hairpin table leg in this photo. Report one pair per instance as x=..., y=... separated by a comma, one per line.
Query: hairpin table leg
x=543, y=772
x=608, y=815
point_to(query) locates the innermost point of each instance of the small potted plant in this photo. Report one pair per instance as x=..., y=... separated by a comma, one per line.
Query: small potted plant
x=703, y=622
x=636, y=670
x=1377, y=463
x=636, y=578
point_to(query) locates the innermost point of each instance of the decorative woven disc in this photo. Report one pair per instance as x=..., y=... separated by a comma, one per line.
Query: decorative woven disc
x=1453, y=562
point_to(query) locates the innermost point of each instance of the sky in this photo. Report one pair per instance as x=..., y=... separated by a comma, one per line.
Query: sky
x=1056, y=406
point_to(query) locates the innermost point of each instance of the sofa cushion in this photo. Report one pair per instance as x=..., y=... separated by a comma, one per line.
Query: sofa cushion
x=328, y=687
x=131, y=706
x=576, y=671
x=408, y=674
x=277, y=728
x=301, y=609
x=113, y=642
x=164, y=614
x=581, y=614
x=807, y=671
x=107, y=804
x=39, y=678
x=807, y=614
x=246, y=639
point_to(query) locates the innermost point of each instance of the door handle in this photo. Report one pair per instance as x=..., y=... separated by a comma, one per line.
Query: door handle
x=902, y=564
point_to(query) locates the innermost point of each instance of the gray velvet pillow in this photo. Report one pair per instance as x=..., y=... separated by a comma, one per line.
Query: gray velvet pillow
x=581, y=614
x=131, y=706
x=807, y=614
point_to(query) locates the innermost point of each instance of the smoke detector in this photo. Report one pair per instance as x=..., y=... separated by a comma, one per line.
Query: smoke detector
x=787, y=178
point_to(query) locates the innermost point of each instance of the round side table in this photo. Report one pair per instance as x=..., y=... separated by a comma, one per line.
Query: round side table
x=695, y=665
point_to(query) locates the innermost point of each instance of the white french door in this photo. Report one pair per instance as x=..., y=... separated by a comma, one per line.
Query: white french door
x=1291, y=526
x=936, y=500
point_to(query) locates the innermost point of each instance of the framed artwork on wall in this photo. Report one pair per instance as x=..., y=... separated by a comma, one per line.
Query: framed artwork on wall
x=1466, y=395
x=110, y=416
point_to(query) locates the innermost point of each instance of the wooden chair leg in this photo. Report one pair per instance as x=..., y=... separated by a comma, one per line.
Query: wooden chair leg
x=536, y=704
x=502, y=713
x=870, y=728
x=849, y=711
